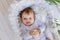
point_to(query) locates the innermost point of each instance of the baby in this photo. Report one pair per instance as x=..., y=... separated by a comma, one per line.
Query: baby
x=31, y=27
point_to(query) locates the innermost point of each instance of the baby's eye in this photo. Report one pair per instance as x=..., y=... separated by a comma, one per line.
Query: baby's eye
x=25, y=18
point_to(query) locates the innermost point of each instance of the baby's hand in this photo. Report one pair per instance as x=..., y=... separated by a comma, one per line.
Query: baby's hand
x=35, y=31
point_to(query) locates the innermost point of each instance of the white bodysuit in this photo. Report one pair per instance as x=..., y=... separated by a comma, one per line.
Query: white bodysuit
x=25, y=30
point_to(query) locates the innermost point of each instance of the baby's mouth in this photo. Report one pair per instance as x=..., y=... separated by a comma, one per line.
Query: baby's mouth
x=27, y=22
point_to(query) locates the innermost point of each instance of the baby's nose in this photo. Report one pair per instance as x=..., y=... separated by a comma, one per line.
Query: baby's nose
x=28, y=20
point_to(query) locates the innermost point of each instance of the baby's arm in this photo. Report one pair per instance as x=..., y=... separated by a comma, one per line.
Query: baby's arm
x=25, y=35
x=42, y=27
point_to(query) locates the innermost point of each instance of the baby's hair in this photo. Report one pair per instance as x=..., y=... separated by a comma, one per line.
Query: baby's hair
x=27, y=11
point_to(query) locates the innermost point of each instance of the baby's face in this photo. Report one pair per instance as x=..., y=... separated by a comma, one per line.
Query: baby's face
x=28, y=19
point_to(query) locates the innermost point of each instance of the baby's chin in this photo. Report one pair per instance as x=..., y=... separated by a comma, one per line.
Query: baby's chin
x=28, y=24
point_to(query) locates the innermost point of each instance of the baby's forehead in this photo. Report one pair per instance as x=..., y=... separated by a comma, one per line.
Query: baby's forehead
x=30, y=13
